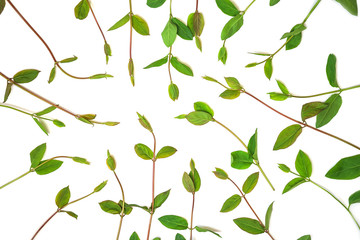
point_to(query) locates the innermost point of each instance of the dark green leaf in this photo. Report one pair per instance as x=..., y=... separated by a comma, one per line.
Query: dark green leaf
x=7, y=91
x=174, y=222
x=140, y=25
x=233, y=83
x=42, y=125
x=63, y=197
x=173, y=91
x=161, y=198
x=179, y=237
x=121, y=22
x=282, y=87
x=312, y=109
x=80, y=160
x=249, y=225
x=303, y=164
x=278, y=96
x=331, y=70
x=250, y=183
x=99, y=187
x=203, y=107
x=231, y=203
x=182, y=30
x=188, y=183
x=232, y=26
x=68, y=60
x=37, y=154
x=155, y=3
x=268, y=68
x=287, y=137
x=230, y=94
x=48, y=167
x=306, y=237
x=181, y=67
x=347, y=168
x=354, y=198
x=325, y=116
x=293, y=184
x=295, y=40
x=128, y=209
x=26, y=75
x=199, y=117
x=296, y=31
x=52, y=74
x=110, y=161
x=46, y=111
x=198, y=43
x=165, y=152
x=268, y=216
x=82, y=9
x=144, y=151
x=198, y=23
x=204, y=229
x=219, y=173
x=350, y=6
x=144, y=122
x=252, y=146
x=110, y=207
x=241, y=160
x=228, y=7
x=134, y=236
x=71, y=214
x=169, y=33
x=284, y=168
x=2, y=5
x=101, y=75
x=158, y=63
x=274, y=2
x=222, y=56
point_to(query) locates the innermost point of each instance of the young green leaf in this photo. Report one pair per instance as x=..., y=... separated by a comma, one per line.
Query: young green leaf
x=274, y=2
x=58, y=123
x=169, y=33
x=233, y=83
x=181, y=67
x=99, y=187
x=250, y=183
x=303, y=164
x=182, y=30
x=101, y=75
x=221, y=174
x=161, y=198
x=110, y=207
x=37, y=154
x=2, y=5
x=231, y=203
x=70, y=213
x=155, y=3
x=173, y=91
x=140, y=25
x=107, y=50
x=26, y=76
x=252, y=146
x=198, y=23
x=82, y=9
x=346, y=169
x=46, y=111
x=284, y=168
x=198, y=43
x=241, y=160
x=181, y=116
x=203, y=107
x=250, y=65
x=80, y=160
x=293, y=184
x=287, y=137
x=312, y=109
x=249, y=225
x=42, y=125
x=63, y=197
x=228, y=7
x=179, y=237
x=282, y=87
x=210, y=79
x=52, y=74
x=232, y=26
x=296, y=31
x=48, y=167
x=306, y=237
x=134, y=236
x=268, y=68
x=354, y=198
x=350, y=6
x=222, y=55
x=131, y=69
x=325, y=116
x=295, y=40
x=230, y=94
x=278, y=96
x=110, y=161
x=188, y=183
x=199, y=117
x=121, y=22
x=69, y=60
x=268, y=216
x=204, y=229
x=174, y=222
x=331, y=70
x=144, y=151
x=195, y=177
x=7, y=91
x=157, y=63
x=165, y=152
x=144, y=122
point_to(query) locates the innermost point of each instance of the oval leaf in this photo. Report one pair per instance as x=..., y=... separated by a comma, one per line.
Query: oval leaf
x=268, y=68
x=331, y=70
x=250, y=183
x=227, y=7
x=232, y=26
x=63, y=197
x=287, y=137
x=230, y=94
x=325, y=116
x=82, y=9
x=140, y=25
x=240, y=160
x=188, y=183
x=48, y=167
x=174, y=222
x=203, y=107
x=347, y=168
x=303, y=165
x=312, y=109
x=26, y=75
x=249, y=225
x=155, y=3
x=199, y=117
x=221, y=174
x=173, y=91
x=37, y=154
x=144, y=151
x=110, y=207
x=182, y=30
x=161, y=198
x=295, y=40
x=165, y=152
x=181, y=67
x=169, y=33
x=231, y=203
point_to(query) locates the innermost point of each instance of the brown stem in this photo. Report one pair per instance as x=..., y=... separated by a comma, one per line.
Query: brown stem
x=123, y=205
x=153, y=188
x=192, y=215
x=302, y=123
x=47, y=220
x=247, y=202
x=197, y=5
x=97, y=23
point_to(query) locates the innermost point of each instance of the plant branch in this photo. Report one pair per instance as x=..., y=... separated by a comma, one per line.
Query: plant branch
x=123, y=205
x=169, y=69
x=47, y=220
x=97, y=23
x=192, y=215
x=325, y=93
x=230, y=131
x=27, y=113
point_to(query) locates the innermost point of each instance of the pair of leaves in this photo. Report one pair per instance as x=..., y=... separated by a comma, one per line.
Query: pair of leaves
x=222, y=55
x=175, y=62
x=243, y=160
x=203, y=114
x=175, y=27
x=294, y=40
x=196, y=23
x=191, y=180
x=138, y=23
x=158, y=202
x=146, y=153
x=115, y=208
x=53, y=70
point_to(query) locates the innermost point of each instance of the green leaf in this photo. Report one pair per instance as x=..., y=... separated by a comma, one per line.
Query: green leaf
x=42, y=125
x=46, y=111
x=252, y=146
x=63, y=197
x=204, y=229
x=249, y=225
x=82, y=9
x=293, y=184
x=155, y=3
x=128, y=209
x=165, y=152
x=303, y=164
x=134, y=236
x=198, y=23
x=210, y=79
x=80, y=160
x=250, y=65
x=99, y=187
x=346, y=169
x=69, y=60
x=198, y=43
x=144, y=122
x=52, y=74
x=181, y=116
x=296, y=31
x=174, y=222
x=250, y=183
x=2, y=5
x=101, y=75
x=58, y=123
x=241, y=160
x=203, y=107
x=230, y=94
x=179, y=237
x=85, y=120
x=268, y=68
x=37, y=154
x=233, y=83
x=282, y=87
x=26, y=75
x=173, y=91
x=110, y=123
x=110, y=161
x=169, y=33
x=325, y=116
x=88, y=116
x=195, y=177
x=182, y=30
x=131, y=69
x=306, y=237
x=142, y=207
x=8, y=91
x=231, y=203
x=354, y=198
x=120, y=23
x=221, y=174
x=188, y=183
x=107, y=50
x=71, y=214
x=140, y=25
x=268, y=216
x=261, y=54
x=161, y=198
x=312, y=109
x=228, y=7
x=295, y=40
x=110, y=207
x=199, y=117
x=287, y=137
x=284, y=168
x=48, y=167
x=274, y=2
x=144, y=151
x=157, y=63
x=222, y=55
x=181, y=67
x=331, y=70
x=232, y=26
x=157, y=238
x=350, y=6
x=278, y=96
x=190, y=22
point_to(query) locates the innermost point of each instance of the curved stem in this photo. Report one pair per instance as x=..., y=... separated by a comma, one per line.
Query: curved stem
x=47, y=220
x=247, y=202
x=153, y=189
x=325, y=93
x=302, y=123
x=97, y=23
x=123, y=205
x=229, y=130
x=192, y=215
x=169, y=69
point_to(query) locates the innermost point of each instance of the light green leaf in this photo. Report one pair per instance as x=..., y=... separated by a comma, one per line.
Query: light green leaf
x=230, y=94
x=284, y=168
x=161, y=198
x=312, y=109
x=249, y=225
x=282, y=87
x=173, y=91
x=306, y=237
x=293, y=184
x=181, y=116
x=331, y=70
x=157, y=63
x=169, y=33
x=233, y=83
x=69, y=60
x=110, y=161
x=228, y=7
x=144, y=151
x=250, y=65
x=80, y=160
x=140, y=25
x=268, y=216
x=205, y=229
x=121, y=22
x=48, y=167
x=210, y=79
x=107, y=50
x=325, y=116
x=346, y=169
x=52, y=74
x=203, y=107
x=232, y=26
x=174, y=222
x=99, y=187
x=303, y=164
x=181, y=67
x=42, y=125
x=222, y=55
x=268, y=68
x=221, y=174
x=188, y=183
x=295, y=40
x=250, y=183
x=231, y=203
x=58, y=123
x=198, y=43
x=287, y=137
x=278, y=96
x=26, y=76
x=82, y=10
x=182, y=30
x=350, y=6
x=165, y=152
x=144, y=122
x=110, y=207
x=46, y=111
x=252, y=146
x=241, y=160
x=199, y=117
x=354, y=198
x=37, y=154
x=274, y=2
x=101, y=75
x=70, y=213
x=63, y=197
x=155, y=3
x=296, y=31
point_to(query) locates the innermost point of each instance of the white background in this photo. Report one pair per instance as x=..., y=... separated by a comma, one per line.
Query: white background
x=26, y=204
